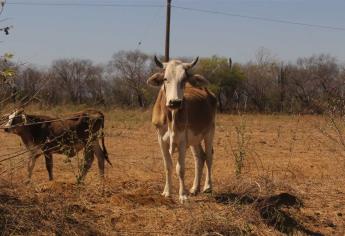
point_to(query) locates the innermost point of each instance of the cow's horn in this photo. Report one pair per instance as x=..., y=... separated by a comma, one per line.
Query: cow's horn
x=158, y=62
x=192, y=64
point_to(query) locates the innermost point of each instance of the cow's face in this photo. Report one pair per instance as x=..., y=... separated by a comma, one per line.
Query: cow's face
x=173, y=80
x=15, y=120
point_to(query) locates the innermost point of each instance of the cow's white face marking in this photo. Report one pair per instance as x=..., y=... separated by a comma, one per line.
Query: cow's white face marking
x=16, y=118
x=10, y=119
x=174, y=81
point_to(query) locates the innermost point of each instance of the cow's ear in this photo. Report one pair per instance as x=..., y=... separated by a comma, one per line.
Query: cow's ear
x=156, y=79
x=25, y=120
x=198, y=81
x=19, y=112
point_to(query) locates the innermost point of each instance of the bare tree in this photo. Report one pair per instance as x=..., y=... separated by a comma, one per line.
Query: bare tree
x=132, y=68
x=262, y=81
x=78, y=79
x=314, y=81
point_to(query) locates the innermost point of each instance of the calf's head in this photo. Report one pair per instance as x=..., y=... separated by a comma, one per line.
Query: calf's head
x=15, y=121
x=173, y=79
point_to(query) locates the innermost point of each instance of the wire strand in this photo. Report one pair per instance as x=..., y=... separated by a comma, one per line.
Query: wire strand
x=85, y=4
x=214, y=12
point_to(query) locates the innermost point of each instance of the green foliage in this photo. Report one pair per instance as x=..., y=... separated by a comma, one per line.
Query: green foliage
x=7, y=70
x=220, y=75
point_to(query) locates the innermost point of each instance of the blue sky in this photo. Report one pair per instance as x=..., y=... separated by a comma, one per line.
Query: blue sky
x=44, y=33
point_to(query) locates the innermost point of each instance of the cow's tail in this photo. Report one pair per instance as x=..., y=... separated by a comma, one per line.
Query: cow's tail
x=105, y=152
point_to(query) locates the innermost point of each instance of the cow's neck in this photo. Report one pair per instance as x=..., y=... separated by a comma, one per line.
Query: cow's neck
x=26, y=137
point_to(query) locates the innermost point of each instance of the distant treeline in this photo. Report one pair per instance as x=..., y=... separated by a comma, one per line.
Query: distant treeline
x=309, y=85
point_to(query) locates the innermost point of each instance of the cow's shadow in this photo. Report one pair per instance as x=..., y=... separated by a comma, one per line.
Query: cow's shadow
x=270, y=210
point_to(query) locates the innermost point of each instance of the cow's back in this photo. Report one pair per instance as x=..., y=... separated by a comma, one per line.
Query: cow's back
x=78, y=126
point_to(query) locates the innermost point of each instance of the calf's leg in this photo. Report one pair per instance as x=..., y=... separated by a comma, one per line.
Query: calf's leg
x=100, y=158
x=49, y=164
x=31, y=165
x=88, y=159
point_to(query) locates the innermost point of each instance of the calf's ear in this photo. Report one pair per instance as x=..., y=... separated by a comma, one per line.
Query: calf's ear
x=25, y=120
x=198, y=81
x=156, y=79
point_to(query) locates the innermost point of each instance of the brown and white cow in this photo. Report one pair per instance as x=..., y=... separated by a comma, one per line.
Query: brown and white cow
x=184, y=116
x=44, y=135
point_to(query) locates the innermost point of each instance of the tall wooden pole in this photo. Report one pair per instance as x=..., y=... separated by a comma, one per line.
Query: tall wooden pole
x=167, y=33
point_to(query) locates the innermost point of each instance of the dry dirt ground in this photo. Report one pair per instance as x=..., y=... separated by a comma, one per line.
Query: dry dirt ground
x=292, y=182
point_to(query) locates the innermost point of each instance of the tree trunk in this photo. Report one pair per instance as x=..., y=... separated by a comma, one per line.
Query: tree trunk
x=140, y=100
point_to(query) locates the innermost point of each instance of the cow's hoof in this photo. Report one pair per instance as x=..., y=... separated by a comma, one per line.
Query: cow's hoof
x=207, y=190
x=27, y=182
x=194, y=191
x=183, y=199
x=166, y=194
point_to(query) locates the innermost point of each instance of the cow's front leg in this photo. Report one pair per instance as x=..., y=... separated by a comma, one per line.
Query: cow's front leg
x=49, y=164
x=164, y=145
x=31, y=165
x=180, y=170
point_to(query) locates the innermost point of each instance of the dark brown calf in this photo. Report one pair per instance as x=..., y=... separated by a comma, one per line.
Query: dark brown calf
x=43, y=135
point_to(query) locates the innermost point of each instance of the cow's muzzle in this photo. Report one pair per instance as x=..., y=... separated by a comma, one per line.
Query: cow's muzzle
x=175, y=104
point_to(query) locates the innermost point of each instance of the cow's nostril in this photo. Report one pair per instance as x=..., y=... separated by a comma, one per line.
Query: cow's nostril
x=175, y=103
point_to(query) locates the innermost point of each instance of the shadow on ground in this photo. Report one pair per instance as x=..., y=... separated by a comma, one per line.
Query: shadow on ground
x=270, y=210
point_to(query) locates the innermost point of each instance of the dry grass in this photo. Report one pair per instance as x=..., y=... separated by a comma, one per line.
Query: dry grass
x=292, y=181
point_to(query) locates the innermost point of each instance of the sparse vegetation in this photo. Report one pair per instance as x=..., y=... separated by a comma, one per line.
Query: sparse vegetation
x=240, y=150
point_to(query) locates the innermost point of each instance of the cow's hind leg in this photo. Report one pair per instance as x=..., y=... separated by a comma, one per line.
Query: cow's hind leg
x=100, y=158
x=164, y=145
x=199, y=155
x=209, y=159
x=88, y=159
x=49, y=164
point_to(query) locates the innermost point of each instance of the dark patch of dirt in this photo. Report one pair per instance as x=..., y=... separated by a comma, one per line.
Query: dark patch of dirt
x=270, y=210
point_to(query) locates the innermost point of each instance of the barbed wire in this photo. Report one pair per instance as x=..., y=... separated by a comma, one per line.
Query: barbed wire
x=66, y=4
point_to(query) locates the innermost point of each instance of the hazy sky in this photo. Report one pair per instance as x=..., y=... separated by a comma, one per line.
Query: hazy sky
x=44, y=33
